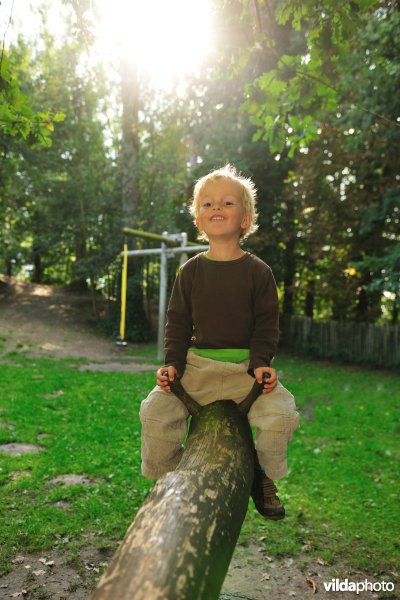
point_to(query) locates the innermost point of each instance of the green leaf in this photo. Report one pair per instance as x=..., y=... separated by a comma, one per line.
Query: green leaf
x=277, y=136
x=366, y=4
x=294, y=122
x=60, y=116
x=277, y=87
x=264, y=81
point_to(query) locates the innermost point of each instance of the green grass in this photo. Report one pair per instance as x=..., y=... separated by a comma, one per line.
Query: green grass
x=91, y=428
x=340, y=494
x=149, y=350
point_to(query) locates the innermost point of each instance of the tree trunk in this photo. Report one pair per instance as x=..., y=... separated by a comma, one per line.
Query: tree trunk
x=310, y=297
x=289, y=260
x=395, y=310
x=138, y=329
x=9, y=267
x=79, y=283
x=368, y=307
x=37, y=263
x=182, y=540
x=130, y=141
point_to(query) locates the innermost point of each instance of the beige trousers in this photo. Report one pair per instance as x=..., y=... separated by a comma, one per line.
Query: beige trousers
x=164, y=417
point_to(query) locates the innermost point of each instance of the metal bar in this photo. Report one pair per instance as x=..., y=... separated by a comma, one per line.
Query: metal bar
x=150, y=236
x=187, y=249
x=147, y=252
x=150, y=251
x=154, y=236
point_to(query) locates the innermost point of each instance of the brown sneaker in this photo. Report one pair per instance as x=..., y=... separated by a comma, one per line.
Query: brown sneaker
x=265, y=499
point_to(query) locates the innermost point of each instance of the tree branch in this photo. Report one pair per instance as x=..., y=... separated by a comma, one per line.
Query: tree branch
x=366, y=110
x=258, y=16
x=314, y=77
x=4, y=36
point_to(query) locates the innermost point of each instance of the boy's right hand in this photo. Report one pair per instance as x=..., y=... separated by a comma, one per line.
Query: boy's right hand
x=162, y=380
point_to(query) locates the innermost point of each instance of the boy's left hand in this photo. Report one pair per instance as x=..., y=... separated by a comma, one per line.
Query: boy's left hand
x=270, y=383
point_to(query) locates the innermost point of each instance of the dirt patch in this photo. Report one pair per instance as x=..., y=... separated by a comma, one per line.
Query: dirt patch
x=72, y=479
x=252, y=575
x=17, y=449
x=256, y=576
x=42, y=321
x=8, y=426
x=53, y=576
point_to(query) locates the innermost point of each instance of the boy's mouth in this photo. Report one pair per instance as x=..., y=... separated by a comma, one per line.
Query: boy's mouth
x=217, y=218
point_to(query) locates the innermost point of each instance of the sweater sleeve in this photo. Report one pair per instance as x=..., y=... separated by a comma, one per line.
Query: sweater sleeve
x=264, y=340
x=179, y=326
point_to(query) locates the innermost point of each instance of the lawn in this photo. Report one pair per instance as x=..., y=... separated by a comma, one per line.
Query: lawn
x=341, y=493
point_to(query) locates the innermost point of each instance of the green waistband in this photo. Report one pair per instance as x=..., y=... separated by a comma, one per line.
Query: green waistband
x=234, y=355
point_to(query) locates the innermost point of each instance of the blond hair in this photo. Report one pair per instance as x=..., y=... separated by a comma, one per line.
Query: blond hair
x=248, y=196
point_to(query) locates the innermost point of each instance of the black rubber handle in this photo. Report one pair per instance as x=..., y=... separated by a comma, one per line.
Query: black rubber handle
x=255, y=391
x=179, y=391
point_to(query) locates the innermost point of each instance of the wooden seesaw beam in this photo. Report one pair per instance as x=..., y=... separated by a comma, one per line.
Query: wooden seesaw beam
x=181, y=542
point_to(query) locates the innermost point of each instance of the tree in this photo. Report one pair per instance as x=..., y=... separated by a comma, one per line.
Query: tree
x=66, y=189
x=18, y=118
x=129, y=155
x=305, y=97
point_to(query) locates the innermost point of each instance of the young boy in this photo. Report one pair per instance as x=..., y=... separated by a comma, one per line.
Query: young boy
x=222, y=331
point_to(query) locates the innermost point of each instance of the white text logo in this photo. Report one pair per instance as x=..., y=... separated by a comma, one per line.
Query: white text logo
x=337, y=585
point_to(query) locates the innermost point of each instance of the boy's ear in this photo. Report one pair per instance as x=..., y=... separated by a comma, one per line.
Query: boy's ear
x=246, y=221
x=197, y=223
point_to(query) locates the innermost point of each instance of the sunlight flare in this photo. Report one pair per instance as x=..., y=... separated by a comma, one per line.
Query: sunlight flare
x=166, y=39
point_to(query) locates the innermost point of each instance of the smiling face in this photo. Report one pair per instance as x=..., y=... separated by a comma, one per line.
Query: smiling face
x=220, y=211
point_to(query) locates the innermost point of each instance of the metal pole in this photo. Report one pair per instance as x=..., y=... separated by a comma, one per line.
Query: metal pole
x=123, y=294
x=184, y=257
x=170, y=251
x=121, y=338
x=165, y=252
x=162, y=302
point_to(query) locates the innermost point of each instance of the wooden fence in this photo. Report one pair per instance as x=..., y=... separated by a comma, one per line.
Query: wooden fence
x=363, y=343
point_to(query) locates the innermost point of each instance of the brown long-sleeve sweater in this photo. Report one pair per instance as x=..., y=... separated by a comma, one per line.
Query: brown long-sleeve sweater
x=223, y=304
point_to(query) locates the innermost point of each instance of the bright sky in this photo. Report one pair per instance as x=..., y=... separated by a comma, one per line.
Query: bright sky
x=168, y=38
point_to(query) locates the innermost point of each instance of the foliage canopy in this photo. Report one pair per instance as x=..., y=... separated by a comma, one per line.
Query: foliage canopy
x=303, y=97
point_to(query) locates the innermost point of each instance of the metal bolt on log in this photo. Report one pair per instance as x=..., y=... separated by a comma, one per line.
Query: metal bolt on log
x=181, y=542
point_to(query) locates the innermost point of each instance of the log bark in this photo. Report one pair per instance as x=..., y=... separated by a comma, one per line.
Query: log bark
x=180, y=545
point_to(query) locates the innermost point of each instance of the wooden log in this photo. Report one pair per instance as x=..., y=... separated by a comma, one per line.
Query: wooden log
x=180, y=545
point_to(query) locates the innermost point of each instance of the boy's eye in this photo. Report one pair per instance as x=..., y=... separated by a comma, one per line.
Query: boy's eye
x=208, y=203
